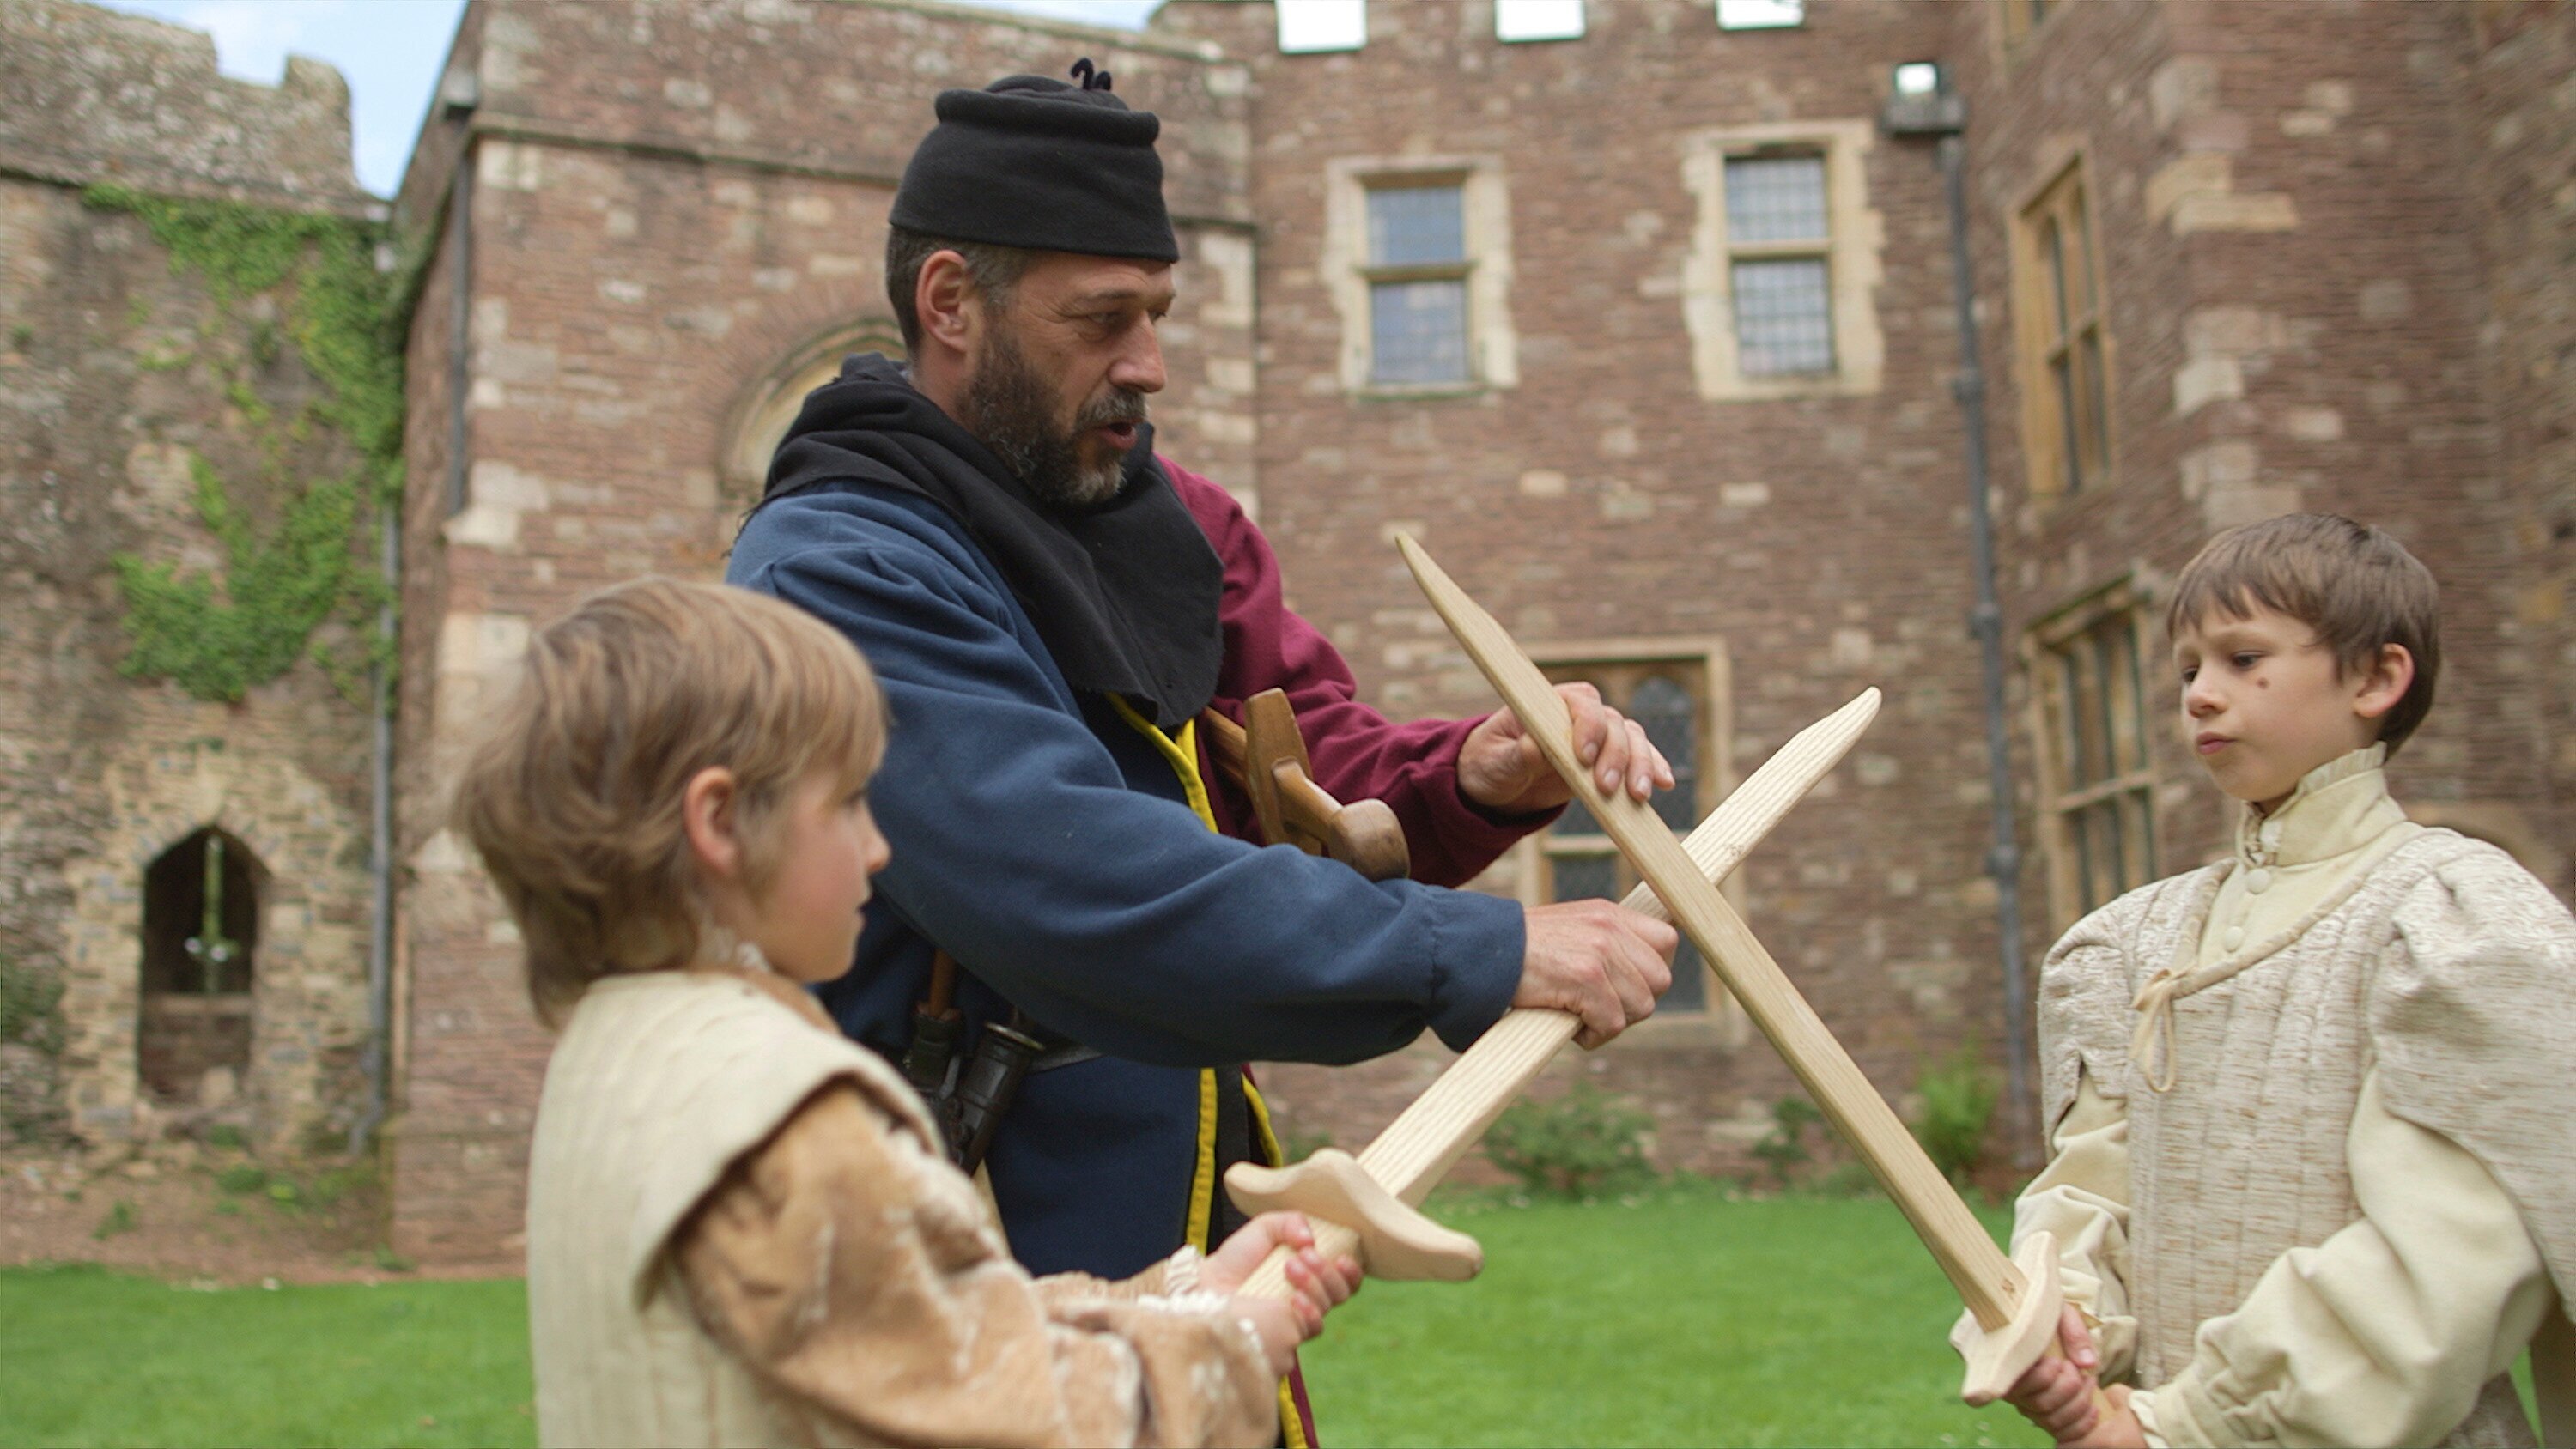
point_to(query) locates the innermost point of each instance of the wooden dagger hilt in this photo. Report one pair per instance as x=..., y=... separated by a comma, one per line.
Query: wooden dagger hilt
x=1268, y=757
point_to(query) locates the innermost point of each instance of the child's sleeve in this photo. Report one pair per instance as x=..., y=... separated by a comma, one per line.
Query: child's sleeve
x=859, y=1278
x=2082, y=1196
x=2385, y=1333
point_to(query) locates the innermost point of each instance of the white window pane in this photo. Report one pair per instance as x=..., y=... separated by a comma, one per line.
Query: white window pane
x=1538, y=19
x=1418, y=331
x=1783, y=317
x=1306, y=26
x=1416, y=225
x=1775, y=199
x=1751, y=14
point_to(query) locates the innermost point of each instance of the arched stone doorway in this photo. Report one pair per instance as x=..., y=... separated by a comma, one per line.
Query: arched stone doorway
x=194, y=1019
x=292, y=891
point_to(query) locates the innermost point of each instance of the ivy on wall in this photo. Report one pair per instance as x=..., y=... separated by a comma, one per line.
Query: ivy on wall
x=218, y=636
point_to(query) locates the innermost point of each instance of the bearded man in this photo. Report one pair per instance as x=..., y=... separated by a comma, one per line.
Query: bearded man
x=1049, y=605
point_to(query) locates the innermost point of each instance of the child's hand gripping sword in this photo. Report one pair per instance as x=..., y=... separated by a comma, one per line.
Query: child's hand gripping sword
x=1365, y=1206
x=2015, y=1300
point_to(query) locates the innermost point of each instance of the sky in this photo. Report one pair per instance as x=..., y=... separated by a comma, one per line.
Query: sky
x=391, y=51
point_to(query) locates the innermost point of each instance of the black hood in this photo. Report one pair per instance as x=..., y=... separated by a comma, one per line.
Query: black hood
x=1125, y=595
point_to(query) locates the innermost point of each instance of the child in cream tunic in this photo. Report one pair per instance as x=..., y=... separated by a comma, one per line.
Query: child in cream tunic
x=2313, y=1180
x=741, y=1229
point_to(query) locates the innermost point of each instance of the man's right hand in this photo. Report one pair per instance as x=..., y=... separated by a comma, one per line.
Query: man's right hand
x=1604, y=964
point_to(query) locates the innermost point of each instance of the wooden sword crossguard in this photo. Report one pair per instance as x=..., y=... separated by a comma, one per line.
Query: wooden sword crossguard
x=2015, y=1300
x=1367, y=1207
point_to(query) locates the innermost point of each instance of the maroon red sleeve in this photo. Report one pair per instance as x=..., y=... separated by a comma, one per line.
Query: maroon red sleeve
x=1357, y=752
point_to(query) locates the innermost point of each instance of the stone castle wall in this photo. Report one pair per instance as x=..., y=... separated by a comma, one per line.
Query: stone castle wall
x=119, y=374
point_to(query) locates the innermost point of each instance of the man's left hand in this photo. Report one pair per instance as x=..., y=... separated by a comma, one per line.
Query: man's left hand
x=1501, y=769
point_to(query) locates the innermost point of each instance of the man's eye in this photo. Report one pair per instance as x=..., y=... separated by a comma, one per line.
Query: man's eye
x=2245, y=661
x=2189, y=673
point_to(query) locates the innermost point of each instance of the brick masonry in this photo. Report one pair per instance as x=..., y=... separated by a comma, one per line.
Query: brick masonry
x=2334, y=244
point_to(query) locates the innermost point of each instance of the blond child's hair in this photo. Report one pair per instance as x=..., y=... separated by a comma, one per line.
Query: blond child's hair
x=573, y=796
x=2358, y=588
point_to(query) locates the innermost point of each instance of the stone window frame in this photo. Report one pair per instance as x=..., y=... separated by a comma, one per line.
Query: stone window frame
x=2115, y=614
x=1853, y=259
x=1617, y=664
x=1493, y=344
x=764, y=410
x=2063, y=199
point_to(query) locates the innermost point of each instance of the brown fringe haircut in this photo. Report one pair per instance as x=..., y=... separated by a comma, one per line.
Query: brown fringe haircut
x=573, y=796
x=2354, y=585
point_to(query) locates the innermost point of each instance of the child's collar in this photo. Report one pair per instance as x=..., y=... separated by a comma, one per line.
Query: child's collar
x=2339, y=806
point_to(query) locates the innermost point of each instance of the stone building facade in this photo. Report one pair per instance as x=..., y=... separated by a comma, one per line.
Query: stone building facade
x=126, y=381
x=1647, y=331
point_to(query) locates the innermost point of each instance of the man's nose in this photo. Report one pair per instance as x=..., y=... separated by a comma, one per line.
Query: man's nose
x=2200, y=697
x=1139, y=365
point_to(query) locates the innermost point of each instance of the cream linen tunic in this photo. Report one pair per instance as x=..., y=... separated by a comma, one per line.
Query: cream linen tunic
x=2391, y=1328
x=739, y=1232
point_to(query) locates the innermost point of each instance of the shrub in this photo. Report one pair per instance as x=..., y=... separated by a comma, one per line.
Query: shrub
x=242, y=1177
x=1958, y=1104
x=1784, y=1150
x=1575, y=1145
x=119, y=1219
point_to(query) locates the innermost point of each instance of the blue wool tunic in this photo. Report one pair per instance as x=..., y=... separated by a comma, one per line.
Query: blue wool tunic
x=1048, y=844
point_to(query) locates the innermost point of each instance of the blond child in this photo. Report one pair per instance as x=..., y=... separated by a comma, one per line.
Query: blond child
x=741, y=1229
x=2313, y=1176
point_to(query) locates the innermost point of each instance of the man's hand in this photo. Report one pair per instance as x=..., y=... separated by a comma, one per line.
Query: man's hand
x=1500, y=768
x=1604, y=964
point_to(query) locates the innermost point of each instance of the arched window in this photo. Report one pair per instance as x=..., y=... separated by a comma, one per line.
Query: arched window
x=200, y=941
x=766, y=410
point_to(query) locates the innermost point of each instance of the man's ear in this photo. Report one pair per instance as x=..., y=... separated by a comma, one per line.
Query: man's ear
x=949, y=304
x=708, y=818
x=2384, y=682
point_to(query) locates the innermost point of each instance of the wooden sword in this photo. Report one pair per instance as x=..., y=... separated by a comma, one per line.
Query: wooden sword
x=1367, y=1206
x=2015, y=1300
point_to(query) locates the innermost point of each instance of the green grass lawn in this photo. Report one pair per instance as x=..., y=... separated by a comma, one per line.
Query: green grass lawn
x=1684, y=1319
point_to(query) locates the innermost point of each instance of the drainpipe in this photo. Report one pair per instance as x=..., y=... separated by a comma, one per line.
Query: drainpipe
x=380, y=838
x=1922, y=104
x=456, y=102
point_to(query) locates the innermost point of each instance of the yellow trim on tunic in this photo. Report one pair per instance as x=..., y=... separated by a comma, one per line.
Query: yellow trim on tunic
x=1181, y=752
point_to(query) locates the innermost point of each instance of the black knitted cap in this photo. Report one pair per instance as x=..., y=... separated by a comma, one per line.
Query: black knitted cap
x=1033, y=162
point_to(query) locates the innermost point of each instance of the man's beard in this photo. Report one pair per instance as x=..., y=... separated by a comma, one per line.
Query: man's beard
x=1010, y=408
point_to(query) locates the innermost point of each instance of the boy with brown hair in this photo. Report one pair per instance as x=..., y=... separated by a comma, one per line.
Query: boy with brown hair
x=741, y=1228
x=2313, y=1176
